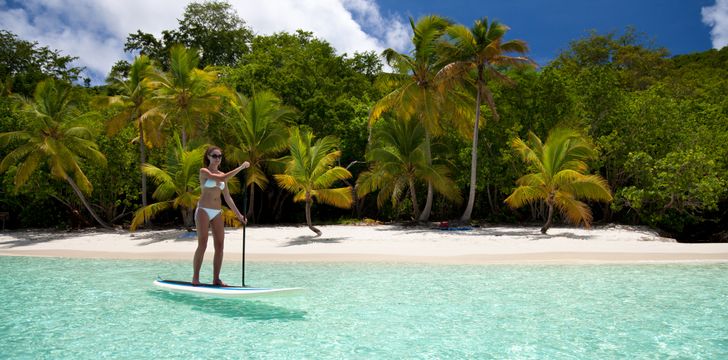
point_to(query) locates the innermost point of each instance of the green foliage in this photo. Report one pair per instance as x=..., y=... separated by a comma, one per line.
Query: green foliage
x=23, y=64
x=557, y=176
x=177, y=183
x=116, y=187
x=651, y=123
x=59, y=135
x=258, y=133
x=687, y=182
x=639, y=62
x=478, y=55
x=186, y=95
x=306, y=74
x=399, y=163
x=214, y=28
x=211, y=27
x=414, y=91
x=310, y=173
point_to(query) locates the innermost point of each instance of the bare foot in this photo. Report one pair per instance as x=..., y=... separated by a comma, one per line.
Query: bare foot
x=195, y=282
x=219, y=282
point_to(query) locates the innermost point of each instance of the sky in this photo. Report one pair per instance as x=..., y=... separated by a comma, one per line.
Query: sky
x=95, y=30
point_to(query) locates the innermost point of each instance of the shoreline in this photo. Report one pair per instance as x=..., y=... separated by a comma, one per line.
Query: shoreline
x=612, y=244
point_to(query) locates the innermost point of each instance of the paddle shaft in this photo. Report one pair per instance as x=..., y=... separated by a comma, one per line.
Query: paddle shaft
x=245, y=211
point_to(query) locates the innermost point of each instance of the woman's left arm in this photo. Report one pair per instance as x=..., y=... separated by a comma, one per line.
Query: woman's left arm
x=231, y=204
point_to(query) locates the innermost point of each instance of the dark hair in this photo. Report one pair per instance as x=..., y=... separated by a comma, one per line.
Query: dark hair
x=210, y=149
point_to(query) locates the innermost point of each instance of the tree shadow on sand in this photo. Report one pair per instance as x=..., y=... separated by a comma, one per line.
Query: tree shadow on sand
x=27, y=238
x=231, y=308
x=533, y=233
x=152, y=237
x=307, y=240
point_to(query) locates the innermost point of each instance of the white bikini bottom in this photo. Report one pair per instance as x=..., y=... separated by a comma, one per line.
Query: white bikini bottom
x=211, y=213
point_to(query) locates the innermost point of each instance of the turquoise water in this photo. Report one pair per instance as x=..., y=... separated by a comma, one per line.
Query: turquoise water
x=87, y=309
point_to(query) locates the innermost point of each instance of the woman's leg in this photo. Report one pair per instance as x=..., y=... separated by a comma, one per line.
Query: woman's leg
x=218, y=237
x=202, y=223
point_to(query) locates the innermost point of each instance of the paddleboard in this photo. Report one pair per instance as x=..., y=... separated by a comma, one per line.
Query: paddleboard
x=221, y=291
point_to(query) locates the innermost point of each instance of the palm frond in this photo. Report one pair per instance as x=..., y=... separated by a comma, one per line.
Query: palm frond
x=339, y=197
x=576, y=212
x=329, y=177
x=158, y=175
x=367, y=183
x=12, y=136
x=299, y=196
x=592, y=187
x=535, y=179
x=26, y=168
x=186, y=200
x=165, y=191
x=229, y=218
x=523, y=195
x=287, y=182
x=16, y=155
x=145, y=214
x=567, y=176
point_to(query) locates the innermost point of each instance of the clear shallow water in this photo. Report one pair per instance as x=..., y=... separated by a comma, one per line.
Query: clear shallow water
x=89, y=309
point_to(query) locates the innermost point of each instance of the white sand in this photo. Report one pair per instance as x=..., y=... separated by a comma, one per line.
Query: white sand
x=380, y=243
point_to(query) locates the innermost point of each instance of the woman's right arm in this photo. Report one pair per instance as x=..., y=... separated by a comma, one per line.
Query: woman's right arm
x=223, y=176
x=233, y=172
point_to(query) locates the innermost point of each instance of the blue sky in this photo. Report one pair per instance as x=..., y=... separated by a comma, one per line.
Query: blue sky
x=549, y=26
x=95, y=30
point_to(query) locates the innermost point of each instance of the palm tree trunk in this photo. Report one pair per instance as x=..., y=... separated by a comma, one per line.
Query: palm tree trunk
x=493, y=208
x=548, y=219
x=85, y=203
x=188, y=218
x=308, y=215
x=251, y=204
x=473, y=157
x=142, y=160
x=184, y=139
x=413, y=194
x=425, y=215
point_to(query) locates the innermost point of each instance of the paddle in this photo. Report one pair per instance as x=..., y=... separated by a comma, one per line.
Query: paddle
x=245, y=211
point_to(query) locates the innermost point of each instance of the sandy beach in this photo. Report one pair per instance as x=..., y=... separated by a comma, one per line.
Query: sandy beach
x=379, y=243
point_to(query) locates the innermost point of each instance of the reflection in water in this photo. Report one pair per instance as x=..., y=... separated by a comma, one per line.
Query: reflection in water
x=230, y=308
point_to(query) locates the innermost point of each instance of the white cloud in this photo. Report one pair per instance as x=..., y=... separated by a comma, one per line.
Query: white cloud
x=716, y=16
x=95, y=30
x=395, y=31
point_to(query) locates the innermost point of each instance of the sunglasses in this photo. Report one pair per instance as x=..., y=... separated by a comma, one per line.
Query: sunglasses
x=216, y=156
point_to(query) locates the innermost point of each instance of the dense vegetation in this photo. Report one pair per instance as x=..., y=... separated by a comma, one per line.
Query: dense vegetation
x=659, y=125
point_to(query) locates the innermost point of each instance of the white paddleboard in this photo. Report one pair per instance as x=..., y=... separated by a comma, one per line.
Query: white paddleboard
x=221, y=291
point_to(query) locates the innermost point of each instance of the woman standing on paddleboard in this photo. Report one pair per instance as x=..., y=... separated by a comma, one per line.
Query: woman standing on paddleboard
x=209, y=211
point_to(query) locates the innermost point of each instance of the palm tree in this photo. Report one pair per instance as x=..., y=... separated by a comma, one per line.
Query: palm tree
x=310, y=173
x=258, y=127
x=417, y=94
x=57, y=134
x=481, y=52
x=398, y=155
x=178, y=186
x=134, y=93
x=186, y=95
x=558, y=176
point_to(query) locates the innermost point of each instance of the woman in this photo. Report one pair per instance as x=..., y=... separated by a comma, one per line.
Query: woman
x=209, y=211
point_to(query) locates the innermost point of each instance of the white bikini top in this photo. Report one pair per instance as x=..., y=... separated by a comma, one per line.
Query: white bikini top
x=209, y=183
